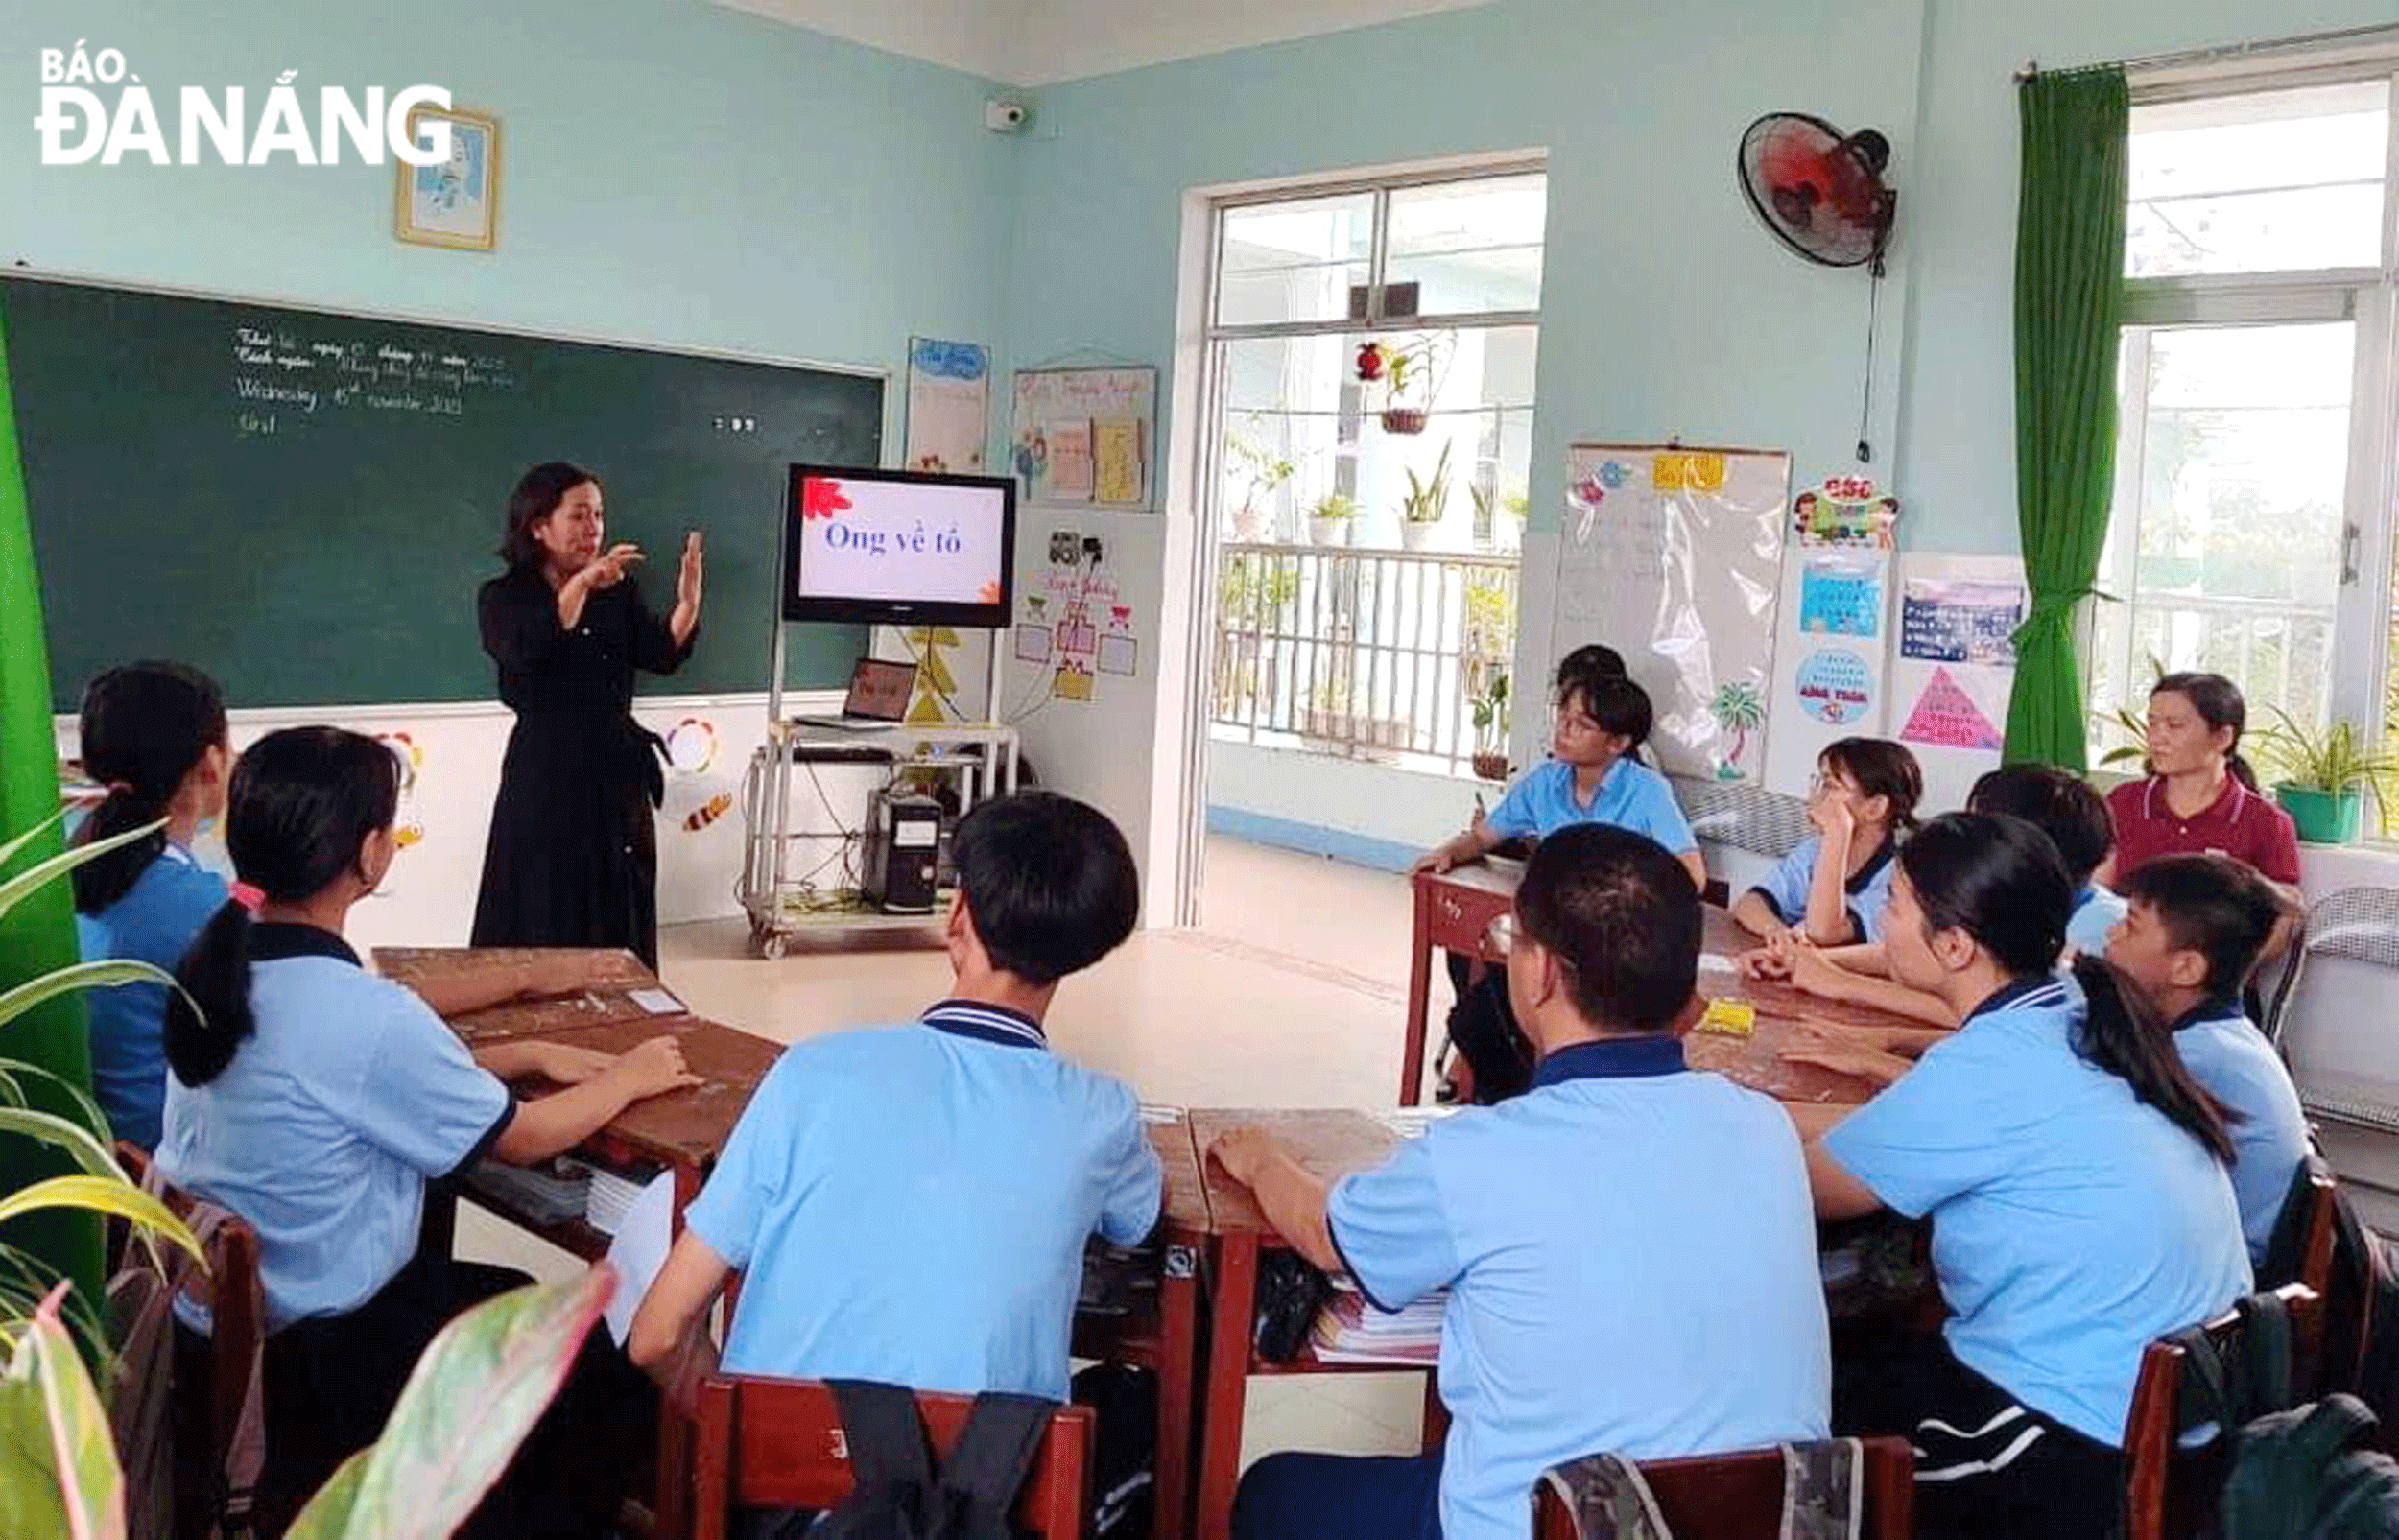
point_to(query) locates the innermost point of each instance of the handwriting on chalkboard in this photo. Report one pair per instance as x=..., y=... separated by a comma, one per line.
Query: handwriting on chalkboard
x=282, y=380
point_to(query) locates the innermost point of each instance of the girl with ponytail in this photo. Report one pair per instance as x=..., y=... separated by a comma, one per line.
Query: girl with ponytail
x=154, y=735
x=317, y=1101
x=2076, y=1178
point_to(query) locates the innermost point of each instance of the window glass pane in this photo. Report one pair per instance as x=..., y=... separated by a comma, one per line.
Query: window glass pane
x=1299, y=428
x=1294, y=261
x=2270, y=181
x=2230, y=557
x=1470, y=247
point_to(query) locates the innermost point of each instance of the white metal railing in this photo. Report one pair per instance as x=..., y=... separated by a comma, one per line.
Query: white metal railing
x=1362, y=654
x=2279, y=651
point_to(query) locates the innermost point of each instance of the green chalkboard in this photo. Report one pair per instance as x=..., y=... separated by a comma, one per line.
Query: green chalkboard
x=304, y=503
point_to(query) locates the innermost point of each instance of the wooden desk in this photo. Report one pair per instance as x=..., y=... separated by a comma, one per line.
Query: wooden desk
x=1167, y=1341
x=1454, y=912
x=1330, y=1144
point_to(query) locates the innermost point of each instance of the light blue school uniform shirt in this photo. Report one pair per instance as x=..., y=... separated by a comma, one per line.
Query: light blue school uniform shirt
x=910, y=1204
x=2072, y=1225
x=346, y=1098
x=2096, y=911
x=153, y=922
x=2234, y=1063
x=1631, y=795
x=1631, y=1253
x=1786, y=888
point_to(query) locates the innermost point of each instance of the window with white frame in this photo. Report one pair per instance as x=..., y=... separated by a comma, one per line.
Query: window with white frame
x=2252, y=532
x=1369, y=525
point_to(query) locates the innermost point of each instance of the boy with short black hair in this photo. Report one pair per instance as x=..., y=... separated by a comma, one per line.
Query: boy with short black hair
x=2190, y=938
x=1617, y=1241
x=910, y=1204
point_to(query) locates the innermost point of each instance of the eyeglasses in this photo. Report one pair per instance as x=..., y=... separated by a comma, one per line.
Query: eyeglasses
x=1820, y=783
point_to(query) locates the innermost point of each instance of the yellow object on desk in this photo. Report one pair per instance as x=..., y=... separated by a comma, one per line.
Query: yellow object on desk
x=1735, y=1018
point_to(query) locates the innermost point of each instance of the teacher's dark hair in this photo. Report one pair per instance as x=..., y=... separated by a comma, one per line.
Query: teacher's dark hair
x=537, y=495
x=303, y=801
x=1049, y=883
x=2220, y=704
x=2001, y=881
x=1622, y=916
x=144, y=727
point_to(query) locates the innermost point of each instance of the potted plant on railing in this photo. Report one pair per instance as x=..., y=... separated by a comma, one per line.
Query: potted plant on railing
x=1420, y=511
x=1393, y=366
x=1490, y=729
x=1329, y=521
x=2321, y=778
x=1263, y=473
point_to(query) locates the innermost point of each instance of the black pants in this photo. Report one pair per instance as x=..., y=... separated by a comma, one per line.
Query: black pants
x=1482, y=1029
x=1987, y=1466
x=332, y=1380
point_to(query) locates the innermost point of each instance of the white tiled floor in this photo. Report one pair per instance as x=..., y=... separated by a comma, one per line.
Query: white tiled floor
x=1290, y=993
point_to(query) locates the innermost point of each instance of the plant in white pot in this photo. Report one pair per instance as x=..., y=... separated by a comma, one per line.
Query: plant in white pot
x=1329, y=521
x=1420, y=511
x=2322, y=779
x=1262, y=473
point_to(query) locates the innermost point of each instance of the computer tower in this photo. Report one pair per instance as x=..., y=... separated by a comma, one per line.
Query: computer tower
x=903, y=839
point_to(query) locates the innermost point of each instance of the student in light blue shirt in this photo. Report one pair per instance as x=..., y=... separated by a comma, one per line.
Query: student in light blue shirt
x=2075, y=1175
x=1832, y=888
x=1628, y=1248
x=910, y=1204
x=154, y=735
x=2194, y=931
x=317, y=1101
x=1591, y=777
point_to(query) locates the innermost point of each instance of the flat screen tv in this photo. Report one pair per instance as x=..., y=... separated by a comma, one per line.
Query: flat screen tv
x=898, y=547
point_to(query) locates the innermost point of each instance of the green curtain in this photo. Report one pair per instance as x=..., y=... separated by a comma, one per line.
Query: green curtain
x=2070, y=264
x=37, y=935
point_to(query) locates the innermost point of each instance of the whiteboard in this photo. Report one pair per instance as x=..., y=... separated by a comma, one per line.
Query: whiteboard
x=1673, y=556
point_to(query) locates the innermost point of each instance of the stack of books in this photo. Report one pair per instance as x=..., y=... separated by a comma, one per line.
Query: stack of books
x=1350, y=1331
x=548, y=1193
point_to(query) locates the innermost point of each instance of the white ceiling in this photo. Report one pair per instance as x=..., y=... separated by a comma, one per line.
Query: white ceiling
x=1035, y=43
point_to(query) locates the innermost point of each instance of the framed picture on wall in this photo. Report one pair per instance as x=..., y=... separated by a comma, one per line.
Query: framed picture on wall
x=456, y=200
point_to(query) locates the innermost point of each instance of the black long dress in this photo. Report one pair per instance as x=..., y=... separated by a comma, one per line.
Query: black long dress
x=573, y=857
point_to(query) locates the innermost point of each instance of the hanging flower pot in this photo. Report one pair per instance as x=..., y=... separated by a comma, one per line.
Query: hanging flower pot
x=1404, y=419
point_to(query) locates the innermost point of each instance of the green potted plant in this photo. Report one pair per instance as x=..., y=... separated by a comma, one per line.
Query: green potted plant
x=1329, y=521
x=1420, y=511
x=1393, y=366
x=1490, y=729
x=2321, y=778
x=1262, y=473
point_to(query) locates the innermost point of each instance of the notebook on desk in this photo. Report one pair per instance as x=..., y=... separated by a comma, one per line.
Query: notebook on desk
x=878, y=696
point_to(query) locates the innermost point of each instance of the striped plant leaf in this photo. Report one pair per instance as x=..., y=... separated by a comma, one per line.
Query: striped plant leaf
x=15, y=889
x=109, y=973
x=100, y=1194
x=7, y=852
x=477, y=1390
x=59, y=1473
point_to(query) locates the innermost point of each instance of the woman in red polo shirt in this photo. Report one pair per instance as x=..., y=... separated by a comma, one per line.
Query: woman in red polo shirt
x=2200, y=798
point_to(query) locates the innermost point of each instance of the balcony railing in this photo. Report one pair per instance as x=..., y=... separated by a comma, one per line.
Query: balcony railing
x=2279, y=651
x=1364, y=654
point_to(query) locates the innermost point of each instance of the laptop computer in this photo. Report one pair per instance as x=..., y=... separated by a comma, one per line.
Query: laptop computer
x=879, y=691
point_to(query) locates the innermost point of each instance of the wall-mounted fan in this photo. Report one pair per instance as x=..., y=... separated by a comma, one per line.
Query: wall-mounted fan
x=1821, y=193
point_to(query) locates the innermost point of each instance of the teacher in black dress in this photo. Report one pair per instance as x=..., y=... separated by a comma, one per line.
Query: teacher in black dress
x=573, y=859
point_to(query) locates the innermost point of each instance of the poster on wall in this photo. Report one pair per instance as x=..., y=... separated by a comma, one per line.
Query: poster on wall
x=1110, y=417
x=1955, y=665
x=1833, y=682
x=949, y=405
x=1673, y=556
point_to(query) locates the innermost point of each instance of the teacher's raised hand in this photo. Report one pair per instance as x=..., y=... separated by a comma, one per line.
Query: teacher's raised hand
x=610, y=568
x=688, y=584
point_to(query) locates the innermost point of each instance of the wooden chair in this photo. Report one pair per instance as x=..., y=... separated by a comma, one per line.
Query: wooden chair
x=2301, y=1248
x=211, y=1379
x=1740, y=1497
x=779, y=1444
x=2168, y=1489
